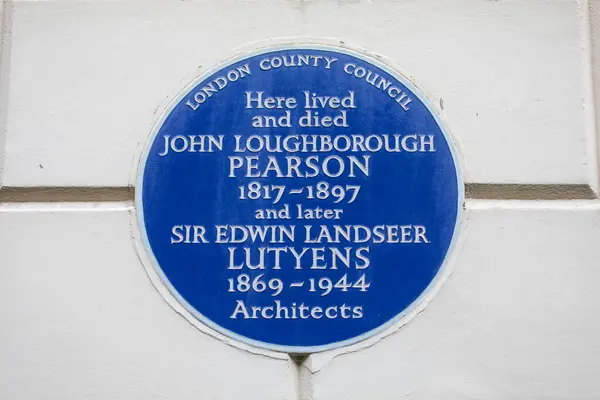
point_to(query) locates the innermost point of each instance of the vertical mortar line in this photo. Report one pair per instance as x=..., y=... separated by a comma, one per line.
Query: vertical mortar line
x=6, y=12
x=294, y=379
x=591, y=95
x=302, y=377
x=306, y=381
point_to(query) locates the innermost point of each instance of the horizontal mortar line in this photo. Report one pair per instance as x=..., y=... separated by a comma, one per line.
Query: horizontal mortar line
x=65, y=194
x=479, y=191
x=515, y=191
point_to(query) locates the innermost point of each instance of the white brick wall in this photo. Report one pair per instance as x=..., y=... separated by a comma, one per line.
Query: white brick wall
x=80, y=319
x=83, y=81
x=91, y=74
x=516, y=320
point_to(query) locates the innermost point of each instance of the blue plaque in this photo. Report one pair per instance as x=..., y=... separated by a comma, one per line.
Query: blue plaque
x=299, y=198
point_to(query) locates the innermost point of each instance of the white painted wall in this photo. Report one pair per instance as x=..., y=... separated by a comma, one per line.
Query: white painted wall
x=83, y=81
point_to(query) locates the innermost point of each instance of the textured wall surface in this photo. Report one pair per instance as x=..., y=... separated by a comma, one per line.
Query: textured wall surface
x=83, y=81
